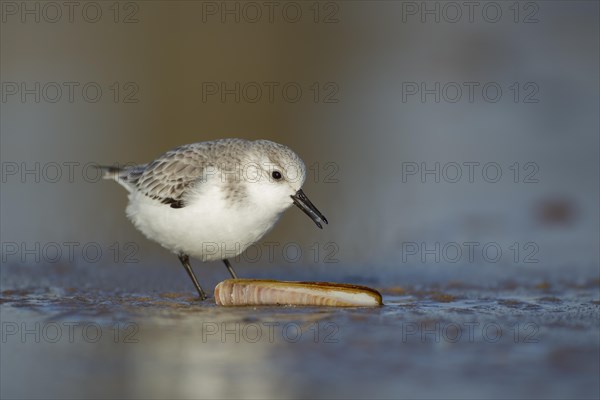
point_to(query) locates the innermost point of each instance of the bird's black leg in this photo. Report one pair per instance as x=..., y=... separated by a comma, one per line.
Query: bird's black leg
x=185, y=261
x=230, y=268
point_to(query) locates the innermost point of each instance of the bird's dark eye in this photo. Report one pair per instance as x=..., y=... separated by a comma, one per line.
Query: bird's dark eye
x=276, y=175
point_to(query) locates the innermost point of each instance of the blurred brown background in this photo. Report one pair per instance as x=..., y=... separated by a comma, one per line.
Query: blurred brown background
x=168, y=56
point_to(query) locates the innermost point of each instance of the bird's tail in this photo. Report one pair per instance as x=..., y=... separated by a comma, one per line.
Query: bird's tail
x=125, y=176
x=110, y=172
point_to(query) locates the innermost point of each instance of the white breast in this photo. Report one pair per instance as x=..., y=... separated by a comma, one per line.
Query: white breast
x=208, y=227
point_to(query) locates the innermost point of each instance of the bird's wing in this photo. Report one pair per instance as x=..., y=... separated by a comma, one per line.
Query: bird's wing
x=167, y=178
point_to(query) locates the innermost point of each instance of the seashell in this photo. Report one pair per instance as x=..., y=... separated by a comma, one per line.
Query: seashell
x=261, y=292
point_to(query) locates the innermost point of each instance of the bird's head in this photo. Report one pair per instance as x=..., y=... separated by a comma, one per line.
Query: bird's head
x=274, y=175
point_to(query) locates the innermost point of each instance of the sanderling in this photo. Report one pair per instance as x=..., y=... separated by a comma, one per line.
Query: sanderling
x=211, y=200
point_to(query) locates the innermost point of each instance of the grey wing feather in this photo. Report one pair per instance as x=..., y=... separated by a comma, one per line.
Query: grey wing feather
x=168, y=177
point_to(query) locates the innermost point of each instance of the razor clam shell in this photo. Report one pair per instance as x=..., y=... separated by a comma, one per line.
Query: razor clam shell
x=260, y=292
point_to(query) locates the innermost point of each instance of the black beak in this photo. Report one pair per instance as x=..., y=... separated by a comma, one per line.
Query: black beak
x=309, y=209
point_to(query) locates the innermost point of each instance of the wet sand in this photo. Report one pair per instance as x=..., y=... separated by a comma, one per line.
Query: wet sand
x=139, y=332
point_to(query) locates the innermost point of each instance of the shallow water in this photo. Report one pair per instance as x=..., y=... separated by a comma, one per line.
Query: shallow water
x=79, y=332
